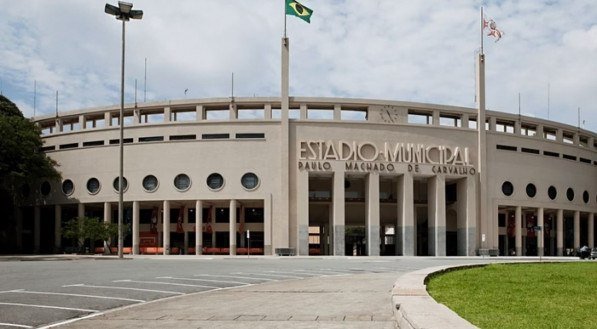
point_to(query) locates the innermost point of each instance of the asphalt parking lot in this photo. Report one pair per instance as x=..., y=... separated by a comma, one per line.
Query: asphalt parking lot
x=47, y=293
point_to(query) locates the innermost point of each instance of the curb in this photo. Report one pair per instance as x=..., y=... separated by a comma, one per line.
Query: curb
x=415, y=309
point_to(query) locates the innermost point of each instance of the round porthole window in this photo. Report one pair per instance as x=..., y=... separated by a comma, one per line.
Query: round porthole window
x=507, y=188
x=250, y=181
x=215, y=181
x=150, y=183
x=182, y=182
x=93, y=185
x=531, y=190
x=125, y=184
x=68, y=187
x=585, y=196
x=45, y=188
x=552, y=192
x=570, y=194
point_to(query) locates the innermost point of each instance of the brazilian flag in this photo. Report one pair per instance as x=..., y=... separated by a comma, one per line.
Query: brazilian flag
x=295, y=8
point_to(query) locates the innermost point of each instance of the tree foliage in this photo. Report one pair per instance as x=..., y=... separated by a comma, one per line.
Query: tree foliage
x=89, y=228
x=21, y=160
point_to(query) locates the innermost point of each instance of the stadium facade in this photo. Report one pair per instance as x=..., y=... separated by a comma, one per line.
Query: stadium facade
x=330, y=177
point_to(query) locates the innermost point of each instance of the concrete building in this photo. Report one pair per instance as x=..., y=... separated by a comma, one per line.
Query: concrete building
x=338, y=177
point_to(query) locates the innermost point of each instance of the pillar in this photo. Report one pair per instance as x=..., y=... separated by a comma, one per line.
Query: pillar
x=199, y=112
x=267, y=225
x=467, y=217
x=57, y=227
x=107, y=119
x=232, y=227
x=198, y=227
x=107, y=219
x=135, y=227
x=185, y=222
x=243, y=228
x=212, y=215
x=518, y=224
x=576, y=230
x=36, y=228
x=302, y=209
x=268, y=111
x=540, y=234
x=436, y=196
x=166, y=227
x=167, y=114
x=81, y=214
x=337, y=112
x=560, y=232
x=591, y=230
x=338, y=214
x=373, y=214
x=407, y=214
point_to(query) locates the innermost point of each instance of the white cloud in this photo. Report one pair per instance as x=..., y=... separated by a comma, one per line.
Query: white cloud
x=390, y=49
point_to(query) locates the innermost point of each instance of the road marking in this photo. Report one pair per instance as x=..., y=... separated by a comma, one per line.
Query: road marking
x=237, y=277
x=295, y=272
x=326, y=270
x=275, y=275
x=124, y=288
x=57, y=324
x=52, y=307
x=22, y=291
x=208, y=280
x=14, y=324
x=169, y=283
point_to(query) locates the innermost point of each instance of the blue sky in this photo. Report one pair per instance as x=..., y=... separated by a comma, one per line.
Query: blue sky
x=421, y=51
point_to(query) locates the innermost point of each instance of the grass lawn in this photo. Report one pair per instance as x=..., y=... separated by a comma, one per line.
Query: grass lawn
x=539, y=295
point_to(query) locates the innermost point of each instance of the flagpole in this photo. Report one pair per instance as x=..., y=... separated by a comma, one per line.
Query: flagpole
x=481, y=146
x=284, y=204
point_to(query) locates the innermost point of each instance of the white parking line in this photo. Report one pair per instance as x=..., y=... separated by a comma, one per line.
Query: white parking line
x=52, y=307
x=124, y=288
x=294, y=272
x=208, y=280
x=327, y=271
x=275, y=275
x=236, y=277
x=21, y=291
x=14, y=325
x=168, y=283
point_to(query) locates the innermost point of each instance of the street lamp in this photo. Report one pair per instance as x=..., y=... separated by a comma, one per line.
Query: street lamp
x=123, y=13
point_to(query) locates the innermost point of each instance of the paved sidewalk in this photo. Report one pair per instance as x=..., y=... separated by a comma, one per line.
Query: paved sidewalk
x=354, y=301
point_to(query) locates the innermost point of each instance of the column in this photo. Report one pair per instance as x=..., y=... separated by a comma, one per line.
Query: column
x=107, y=219
x=232, y=227
x=303, y=112
x=82, y=122
x=212, y=214
x=302, y=211
x=198, y=227
x=338, y=215
x=267, y=225
x=576, y=230
x=560, y=232
x=36, y=228
x=464, y=121
x=57, y=227
x=337, y=112
x=436, y=196
x=540, y=234
x=199, y=113
x=268, y=111
x=435, y=118
x=167, y=114
x=135, y=228
x=243, y=228
x=185, y=222
x=518, y=224
x=232, y=111
x=591, y=230
x=373, y=214
x=166, y=226
x=407, y=214
x=467, y=217
x=107, y=119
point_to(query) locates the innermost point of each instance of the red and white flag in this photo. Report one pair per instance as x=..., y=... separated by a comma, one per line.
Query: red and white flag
x=493, y=30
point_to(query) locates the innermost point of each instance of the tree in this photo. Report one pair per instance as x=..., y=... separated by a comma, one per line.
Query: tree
x=81, y=229
x=22, y=165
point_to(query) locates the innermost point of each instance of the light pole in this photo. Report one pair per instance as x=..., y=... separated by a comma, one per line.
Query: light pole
x=123, y=13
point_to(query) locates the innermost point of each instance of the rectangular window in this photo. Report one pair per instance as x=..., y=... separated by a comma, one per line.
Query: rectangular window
x=215, y=136
x=419, y=118
x=353, y=115
x=151, y=139
x=320, y=114
x=551, y=154
x=250, y=135
x=569, y=157
x=93, y=143
x=69, y=146
x=124, y=141
x=527, y=150
x=48, y=148
x=585, y=160
x=251, y=114
x=182, y=137
x=506, y=147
